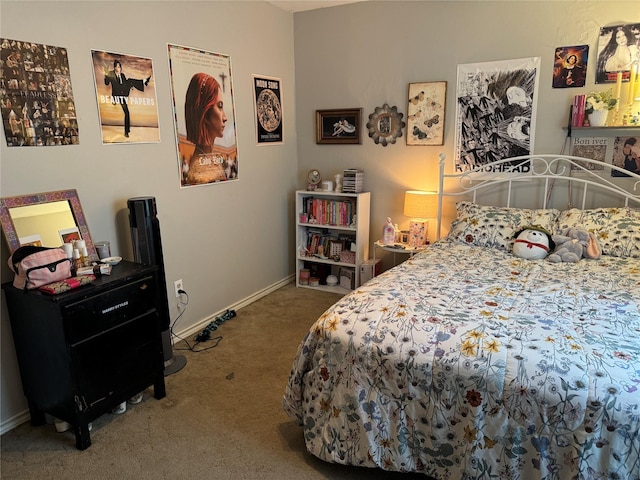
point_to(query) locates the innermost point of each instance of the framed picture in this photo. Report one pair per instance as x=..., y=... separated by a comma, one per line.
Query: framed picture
x=425, y=113
x=339, y=126
x=34, y=240
x=69, y=235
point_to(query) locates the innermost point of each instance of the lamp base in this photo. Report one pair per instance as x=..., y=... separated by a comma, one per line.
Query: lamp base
x=417, y=233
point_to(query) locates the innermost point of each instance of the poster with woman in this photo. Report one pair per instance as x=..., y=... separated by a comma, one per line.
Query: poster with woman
x=204, y=115
x=36, y=97
x=496, y=112
x=126, y=96
x=618, y=50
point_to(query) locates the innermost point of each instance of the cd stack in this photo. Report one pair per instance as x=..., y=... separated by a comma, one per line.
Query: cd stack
x=353, y=180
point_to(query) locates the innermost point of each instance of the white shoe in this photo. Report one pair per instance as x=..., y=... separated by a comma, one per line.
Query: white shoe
x=120, y=409
x=61, y=425
x=136, y=399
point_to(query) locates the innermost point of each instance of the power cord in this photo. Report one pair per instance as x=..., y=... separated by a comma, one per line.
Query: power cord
x=205, y=335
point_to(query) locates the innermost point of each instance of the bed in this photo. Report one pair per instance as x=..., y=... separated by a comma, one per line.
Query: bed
x=467, y=362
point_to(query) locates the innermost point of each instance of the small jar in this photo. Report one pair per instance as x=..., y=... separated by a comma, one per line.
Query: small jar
x=304, y=276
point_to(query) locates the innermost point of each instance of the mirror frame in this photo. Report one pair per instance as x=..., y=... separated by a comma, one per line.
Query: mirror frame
x=38, y=198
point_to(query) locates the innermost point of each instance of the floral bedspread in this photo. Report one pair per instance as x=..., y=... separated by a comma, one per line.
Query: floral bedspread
x=469, y=363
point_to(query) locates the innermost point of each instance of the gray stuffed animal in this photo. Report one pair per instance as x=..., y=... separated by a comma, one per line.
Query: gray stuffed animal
x=573, y=245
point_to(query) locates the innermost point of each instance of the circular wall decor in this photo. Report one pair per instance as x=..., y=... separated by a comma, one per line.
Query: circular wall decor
x=385, y=125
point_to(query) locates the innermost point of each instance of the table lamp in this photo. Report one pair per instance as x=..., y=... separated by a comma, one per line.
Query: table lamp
x=419, y=206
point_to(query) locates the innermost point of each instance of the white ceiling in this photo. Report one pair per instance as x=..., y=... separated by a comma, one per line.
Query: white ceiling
x=302, y=5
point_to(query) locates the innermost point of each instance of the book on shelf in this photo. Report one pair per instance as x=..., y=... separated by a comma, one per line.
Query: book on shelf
x=577, y=112
x=330, y=211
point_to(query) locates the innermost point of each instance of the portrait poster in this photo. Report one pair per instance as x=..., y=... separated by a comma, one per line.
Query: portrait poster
x=626, y=154
x=267, y=104
x=204, y=116
x=36, y=98
x=570, y=66
x=618, y=48
x=126, y=96
x=495, y=113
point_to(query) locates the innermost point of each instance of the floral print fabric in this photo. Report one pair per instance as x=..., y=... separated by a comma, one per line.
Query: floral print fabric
x=469, y=363
x=496, y=227
x=617, y=229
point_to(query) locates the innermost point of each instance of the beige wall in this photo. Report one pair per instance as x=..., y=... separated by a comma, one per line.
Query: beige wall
x=226, y=242
x=366, y=54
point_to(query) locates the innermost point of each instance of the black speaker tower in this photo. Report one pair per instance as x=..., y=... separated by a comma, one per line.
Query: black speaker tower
x=147, y=249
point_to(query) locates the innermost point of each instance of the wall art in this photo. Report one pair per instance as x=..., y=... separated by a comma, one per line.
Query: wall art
x=340, y=126
x=425, y=113
x=570, y=66
x=36, y=98
x=126, y=96
x=385, y=124
x=204, y=116
x=618, y=51
x=496, y=112
x=267, y=105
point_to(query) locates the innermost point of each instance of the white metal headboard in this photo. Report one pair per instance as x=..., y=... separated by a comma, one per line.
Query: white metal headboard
x=590, y=175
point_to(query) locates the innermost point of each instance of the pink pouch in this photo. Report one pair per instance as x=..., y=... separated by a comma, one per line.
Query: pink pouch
x=37, y=266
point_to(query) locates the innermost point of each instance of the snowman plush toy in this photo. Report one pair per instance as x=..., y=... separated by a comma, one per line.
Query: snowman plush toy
x=533, y=243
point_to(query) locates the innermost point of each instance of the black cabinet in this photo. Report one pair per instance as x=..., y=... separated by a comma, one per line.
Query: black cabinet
x=83, y=352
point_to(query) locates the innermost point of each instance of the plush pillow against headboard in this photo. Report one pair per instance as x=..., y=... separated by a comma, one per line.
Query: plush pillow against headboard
x=617, y=229
x=495, y=227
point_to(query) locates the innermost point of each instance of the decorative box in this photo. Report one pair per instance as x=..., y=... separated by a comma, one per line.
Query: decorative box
x=347, y=256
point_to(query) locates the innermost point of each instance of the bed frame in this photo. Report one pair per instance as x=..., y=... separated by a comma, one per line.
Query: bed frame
x=583, y=174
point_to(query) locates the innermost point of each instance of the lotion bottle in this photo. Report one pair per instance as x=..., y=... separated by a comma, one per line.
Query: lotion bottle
x=388, y=233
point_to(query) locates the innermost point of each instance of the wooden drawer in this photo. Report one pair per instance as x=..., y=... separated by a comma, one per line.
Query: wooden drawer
x=96, y=314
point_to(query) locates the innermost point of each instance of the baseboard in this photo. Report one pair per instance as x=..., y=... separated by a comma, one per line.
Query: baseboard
x=12, y=422
x=22, y=417
x=198, y=327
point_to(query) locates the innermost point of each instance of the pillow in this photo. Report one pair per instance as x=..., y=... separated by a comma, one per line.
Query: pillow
x=496, y=227
x=617, y=229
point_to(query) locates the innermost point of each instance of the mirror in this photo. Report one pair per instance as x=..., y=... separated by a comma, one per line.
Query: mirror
x=48, y=219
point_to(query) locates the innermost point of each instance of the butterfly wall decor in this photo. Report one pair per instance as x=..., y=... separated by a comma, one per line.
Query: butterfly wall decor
x=425, y=113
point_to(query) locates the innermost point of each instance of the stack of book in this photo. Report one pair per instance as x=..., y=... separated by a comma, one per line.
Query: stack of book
x=352, y=180
x=577, y=111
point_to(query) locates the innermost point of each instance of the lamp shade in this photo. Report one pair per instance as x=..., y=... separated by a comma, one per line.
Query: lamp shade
x=419, y=204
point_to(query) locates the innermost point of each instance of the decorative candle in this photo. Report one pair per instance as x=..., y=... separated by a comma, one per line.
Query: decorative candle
x=618, y=88
x=632, y=84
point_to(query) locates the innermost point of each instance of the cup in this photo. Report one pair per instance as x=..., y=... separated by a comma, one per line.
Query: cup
x=103, y=249
x=68, y=249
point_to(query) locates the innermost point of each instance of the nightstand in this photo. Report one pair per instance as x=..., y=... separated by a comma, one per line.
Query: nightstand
x=397, y=248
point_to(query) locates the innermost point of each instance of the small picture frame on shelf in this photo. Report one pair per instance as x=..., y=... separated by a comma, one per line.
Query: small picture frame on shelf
x=339, y=126
x=335, y=248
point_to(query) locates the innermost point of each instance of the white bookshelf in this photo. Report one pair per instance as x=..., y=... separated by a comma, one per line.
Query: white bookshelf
x=359, y=232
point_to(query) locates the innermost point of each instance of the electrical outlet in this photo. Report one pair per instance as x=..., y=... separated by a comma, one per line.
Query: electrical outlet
x=177, y=285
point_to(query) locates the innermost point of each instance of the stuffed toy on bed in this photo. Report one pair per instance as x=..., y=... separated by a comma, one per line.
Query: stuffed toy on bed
x=573, y=245
x=533, y=243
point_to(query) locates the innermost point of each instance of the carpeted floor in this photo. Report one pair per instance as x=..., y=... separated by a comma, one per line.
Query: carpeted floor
x=221, y=418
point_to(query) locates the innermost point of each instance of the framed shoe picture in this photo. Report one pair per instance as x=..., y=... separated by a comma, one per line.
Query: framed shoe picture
x=425, y=113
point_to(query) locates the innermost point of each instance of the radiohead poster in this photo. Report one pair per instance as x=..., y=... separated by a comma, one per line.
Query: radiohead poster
x=126, y=96
x=496, y=112
x=204, y=116
x=36, y=98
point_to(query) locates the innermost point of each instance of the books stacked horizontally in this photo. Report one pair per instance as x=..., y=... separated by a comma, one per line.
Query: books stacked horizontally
x=577, y=111
x=352, y=180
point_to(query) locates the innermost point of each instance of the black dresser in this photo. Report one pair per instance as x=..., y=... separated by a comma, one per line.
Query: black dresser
x=83, y=352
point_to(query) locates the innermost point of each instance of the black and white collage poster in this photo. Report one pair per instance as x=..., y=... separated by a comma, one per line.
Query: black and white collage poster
x=36, y=98
x=496, y=112
x=267, y=97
